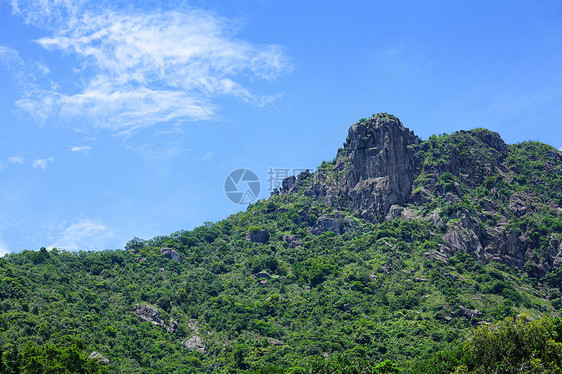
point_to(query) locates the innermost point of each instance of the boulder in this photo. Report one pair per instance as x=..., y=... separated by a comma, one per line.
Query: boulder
x=293, y=241
x=195, y=343
x=462, y=311
x=148, y=313
x=263, y=275
x=99, y=358
x=193, y=325
x=170, y=253
x=172, y=326
x=276, y=342
x=258, y=236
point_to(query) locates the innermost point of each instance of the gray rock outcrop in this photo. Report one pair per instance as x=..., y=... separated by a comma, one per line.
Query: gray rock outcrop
x=373, y=171
x=292, y=240
x=99, y=358
x=195, y=343
x=148, y=313
x=170, y=253
x=258, y=236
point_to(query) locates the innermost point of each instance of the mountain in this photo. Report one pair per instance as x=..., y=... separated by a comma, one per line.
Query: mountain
x=485, y=195
x=386, y=256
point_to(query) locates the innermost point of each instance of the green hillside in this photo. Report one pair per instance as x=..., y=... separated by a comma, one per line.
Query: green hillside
x=397, y=249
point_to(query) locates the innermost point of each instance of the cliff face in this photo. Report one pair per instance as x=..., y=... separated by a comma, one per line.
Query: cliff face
x=374, y=170
x=377, y=165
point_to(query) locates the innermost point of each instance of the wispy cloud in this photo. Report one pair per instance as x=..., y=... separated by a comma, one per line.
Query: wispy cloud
x=207, y=156
x=85, y=234
x=22, y=73
x=42, y=163
x=159, y=151
x=9, y=56
x=81, y=149
x=3, y=250
x=124, y=90
x=16, y=160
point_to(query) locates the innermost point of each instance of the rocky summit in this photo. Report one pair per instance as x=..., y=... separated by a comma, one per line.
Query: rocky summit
x=385, y=171
x=400, y=255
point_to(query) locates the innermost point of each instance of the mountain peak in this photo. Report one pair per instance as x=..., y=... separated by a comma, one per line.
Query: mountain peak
x=377, y=164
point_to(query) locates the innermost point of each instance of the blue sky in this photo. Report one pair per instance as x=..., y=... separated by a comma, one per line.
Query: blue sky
x=123, y=120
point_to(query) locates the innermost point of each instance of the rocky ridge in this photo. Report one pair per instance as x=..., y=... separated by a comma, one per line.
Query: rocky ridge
x=384, y=171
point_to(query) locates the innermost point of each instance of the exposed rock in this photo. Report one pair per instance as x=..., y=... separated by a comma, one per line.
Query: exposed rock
x=263, y=282
x=451, y=199
x=452, y=276
x=287, y=183
x=337, y=222
x=325, y=224
x=556, y=250
x=437, y=255
x=420, y=280
x=509, y=247
x=519, y=204
x=468, y=313
x=421, y=196
x=263, y=275
x=195, y=343
x=384, y=171
x=435, y=217
x=377, y=165
x=486, y=152
x=394, y=211
x=408, y=214
x=292, y=184
x=345, y=307
x=99, y=358
x=172, y=326
x=488, y=205
x=170, y=253
x=292, y=240
x=374, y=170
x=464, y=236
x=148, y=313
x=276, y=342
x=258, y=236
x=193, y=325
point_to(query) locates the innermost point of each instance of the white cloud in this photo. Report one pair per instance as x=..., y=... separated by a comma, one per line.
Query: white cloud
x=46, y=13
x=42, y=163
x=16, y=160
x=9, y=56
x=207, y=156
x=81, y=149
x=121, y=57
x=159, y=151
x=23, y=77
x=3, y=250
x=86, y=234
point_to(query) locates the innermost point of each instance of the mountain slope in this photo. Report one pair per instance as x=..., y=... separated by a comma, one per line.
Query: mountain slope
x=393, y=250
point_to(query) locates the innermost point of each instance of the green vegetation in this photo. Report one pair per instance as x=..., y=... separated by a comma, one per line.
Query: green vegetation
x=510, y=346
x=376, y=297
